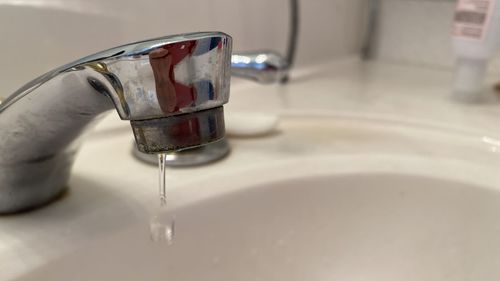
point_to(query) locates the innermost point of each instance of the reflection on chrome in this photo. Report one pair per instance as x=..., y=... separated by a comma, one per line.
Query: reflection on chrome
x=237, y=60
x=260, y=59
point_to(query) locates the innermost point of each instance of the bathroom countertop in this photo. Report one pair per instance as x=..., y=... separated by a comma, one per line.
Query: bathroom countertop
x=109, y=189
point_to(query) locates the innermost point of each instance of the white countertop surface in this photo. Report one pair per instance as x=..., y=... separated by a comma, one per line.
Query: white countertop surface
x=109, y=189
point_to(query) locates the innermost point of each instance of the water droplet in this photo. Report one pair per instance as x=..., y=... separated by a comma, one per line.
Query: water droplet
x=162, y=229
x=162, y=158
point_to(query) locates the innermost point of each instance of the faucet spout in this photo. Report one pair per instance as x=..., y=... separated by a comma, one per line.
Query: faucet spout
x=171, y=89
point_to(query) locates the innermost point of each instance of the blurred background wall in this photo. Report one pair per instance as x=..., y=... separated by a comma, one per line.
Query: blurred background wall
x=417, y=32
x=38, y=35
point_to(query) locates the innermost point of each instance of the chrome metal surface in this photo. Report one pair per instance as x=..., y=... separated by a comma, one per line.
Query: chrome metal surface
x=264, y=67
x=370, y=29
x=197, y=156
x=268, y=66
x=158, y=84
x=293, y=36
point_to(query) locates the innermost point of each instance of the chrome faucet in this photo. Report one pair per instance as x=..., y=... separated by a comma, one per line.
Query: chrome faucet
x=264, y=67
x=171, y=89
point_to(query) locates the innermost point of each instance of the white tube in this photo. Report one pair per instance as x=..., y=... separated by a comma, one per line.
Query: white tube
x=476, y=39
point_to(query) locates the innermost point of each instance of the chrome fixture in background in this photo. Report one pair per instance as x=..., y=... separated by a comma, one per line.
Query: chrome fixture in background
x=370, y=29
x=171, y=89
x=293, y=36
x=261, y=67
x=270, y=67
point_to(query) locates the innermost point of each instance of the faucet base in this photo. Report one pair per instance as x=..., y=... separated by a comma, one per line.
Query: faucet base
x=197, y=156
x=40, y=182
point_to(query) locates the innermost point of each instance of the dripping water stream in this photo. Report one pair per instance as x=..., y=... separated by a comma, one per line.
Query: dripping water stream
x=162, y=224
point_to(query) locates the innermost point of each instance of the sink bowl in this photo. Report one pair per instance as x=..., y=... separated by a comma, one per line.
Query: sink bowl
x=325, y=198
x=344, y=227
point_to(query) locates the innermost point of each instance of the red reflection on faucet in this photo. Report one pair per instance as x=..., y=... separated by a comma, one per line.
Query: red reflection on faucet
x=171, y=94
x=186, y=132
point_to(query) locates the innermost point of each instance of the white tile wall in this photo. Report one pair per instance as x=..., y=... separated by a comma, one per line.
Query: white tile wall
x=418, y=32
x=38, y=35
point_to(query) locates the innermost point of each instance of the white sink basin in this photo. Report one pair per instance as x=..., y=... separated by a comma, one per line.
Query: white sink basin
x=346, y=227
x=326, y=198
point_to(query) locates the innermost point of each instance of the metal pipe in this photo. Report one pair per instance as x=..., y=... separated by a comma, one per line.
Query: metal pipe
x=292, y=37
